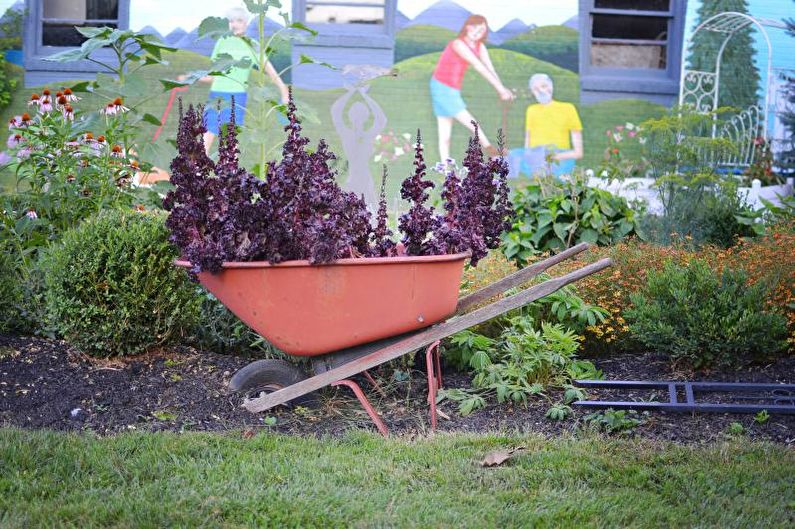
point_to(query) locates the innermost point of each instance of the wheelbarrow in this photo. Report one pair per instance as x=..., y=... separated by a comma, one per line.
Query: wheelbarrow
x=355, y=314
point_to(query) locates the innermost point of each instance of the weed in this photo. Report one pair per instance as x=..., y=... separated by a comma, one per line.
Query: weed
x=613, y=421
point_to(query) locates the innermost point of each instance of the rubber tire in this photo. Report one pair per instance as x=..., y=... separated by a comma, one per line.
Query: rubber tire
x=270, y=375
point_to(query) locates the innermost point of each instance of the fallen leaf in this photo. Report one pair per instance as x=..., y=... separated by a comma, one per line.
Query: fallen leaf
x=248, y=434
x=498, y=457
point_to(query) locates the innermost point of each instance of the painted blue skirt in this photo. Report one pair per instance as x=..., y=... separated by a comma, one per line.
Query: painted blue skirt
x=214, y=118
x=446, y=100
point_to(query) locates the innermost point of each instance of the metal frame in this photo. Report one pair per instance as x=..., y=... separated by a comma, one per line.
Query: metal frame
x=702, y=89
x=780, y=398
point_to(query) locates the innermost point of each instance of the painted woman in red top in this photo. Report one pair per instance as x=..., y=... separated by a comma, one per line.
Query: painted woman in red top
x=468, y=49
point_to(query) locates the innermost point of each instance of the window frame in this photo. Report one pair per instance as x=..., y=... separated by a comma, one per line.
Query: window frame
x=35, y=51
x=350, y=35
x=649, y=80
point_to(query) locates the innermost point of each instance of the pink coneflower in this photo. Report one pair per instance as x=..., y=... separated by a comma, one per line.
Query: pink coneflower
x=116, y=151
x=34, y=99
x=115, y=107
x=13, y=140
x=25, y=119
x=69, y=95
x=31, y=214
x=45, y=104
x=14, y=122
x=68, y=112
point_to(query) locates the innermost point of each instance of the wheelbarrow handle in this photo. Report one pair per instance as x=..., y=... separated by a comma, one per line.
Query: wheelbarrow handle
x=516, y=279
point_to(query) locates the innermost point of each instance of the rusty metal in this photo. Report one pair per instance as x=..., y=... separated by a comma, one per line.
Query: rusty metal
x=365, y=404
x=433, y=366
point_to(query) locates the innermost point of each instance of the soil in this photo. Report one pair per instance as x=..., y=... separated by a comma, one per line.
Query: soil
x=47, y=384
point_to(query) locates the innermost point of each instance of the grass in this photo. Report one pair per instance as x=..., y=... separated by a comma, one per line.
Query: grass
x=53, y=479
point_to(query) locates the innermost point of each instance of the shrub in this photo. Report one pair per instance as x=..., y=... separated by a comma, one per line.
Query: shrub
x=554, y=216
x=8, y=82
x=112, y=288
x=10, y=293
x=703, y=319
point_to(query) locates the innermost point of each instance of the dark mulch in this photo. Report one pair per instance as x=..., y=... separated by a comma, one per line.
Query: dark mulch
x=47, y=384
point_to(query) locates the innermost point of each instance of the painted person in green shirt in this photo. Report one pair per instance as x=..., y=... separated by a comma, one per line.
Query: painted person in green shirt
x=235, y=81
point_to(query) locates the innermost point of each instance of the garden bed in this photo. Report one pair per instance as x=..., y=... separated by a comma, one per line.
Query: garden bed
x=47, y=384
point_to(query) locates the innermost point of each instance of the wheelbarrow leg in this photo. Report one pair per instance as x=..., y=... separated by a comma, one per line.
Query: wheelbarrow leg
x=365, y=404
x=433, y=366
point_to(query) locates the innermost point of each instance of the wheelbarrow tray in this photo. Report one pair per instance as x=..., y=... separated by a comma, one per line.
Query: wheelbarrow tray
x=309, y=310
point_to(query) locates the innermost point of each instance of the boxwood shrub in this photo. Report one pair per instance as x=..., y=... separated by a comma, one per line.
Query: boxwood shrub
x=111, y=287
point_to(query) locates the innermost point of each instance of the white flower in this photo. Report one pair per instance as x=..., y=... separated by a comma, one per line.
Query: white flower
x=589, y=173
x=406, y=136
x=399, y=151
x=31, y=214
x=377, y=137
x=604, y=174
x=641, y=140
x=617, y=137
x=629, y=126
x=377, y=158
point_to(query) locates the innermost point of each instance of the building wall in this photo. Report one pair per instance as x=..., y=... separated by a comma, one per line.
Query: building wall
x=525, y=38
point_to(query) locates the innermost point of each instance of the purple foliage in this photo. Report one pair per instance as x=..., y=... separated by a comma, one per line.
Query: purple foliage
x=418, y=222
x=383, y=245
x=220, y=212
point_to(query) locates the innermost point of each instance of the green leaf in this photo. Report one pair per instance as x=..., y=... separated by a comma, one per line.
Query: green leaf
x=302, y=27
x=562, y=230
x=214, y=27
x=149, y=118
x=168, y=84
x=588, y=235
x=91, y=32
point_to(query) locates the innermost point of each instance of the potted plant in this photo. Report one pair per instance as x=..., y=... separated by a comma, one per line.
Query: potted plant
x=300, y=260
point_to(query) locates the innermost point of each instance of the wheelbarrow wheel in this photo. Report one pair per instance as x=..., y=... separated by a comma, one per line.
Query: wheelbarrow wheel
x=266, y=376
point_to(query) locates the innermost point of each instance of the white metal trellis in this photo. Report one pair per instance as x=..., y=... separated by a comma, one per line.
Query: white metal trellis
x=701, y=89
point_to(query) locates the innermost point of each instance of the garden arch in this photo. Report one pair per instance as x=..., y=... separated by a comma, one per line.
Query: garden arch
x=701, y=89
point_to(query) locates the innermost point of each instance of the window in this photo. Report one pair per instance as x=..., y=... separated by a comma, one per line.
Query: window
x=631, y=47
x=59, y=18
x=630, y=33
x=50, y=28
x=350, y=12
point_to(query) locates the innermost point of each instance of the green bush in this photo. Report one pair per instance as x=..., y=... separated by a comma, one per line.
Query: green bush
x=697, y=317
x=112, y=288
x=10, y=293
x=553, y=216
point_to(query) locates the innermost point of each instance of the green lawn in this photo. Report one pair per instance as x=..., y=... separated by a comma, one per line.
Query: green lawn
x=52, y=479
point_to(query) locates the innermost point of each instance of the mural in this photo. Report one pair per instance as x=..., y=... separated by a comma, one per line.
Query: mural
x=505, y=65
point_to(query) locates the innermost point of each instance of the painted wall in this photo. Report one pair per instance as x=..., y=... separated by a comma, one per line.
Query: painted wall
x=524, y=39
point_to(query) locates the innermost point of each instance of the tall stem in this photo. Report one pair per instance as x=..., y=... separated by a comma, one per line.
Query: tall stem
x=261, y=28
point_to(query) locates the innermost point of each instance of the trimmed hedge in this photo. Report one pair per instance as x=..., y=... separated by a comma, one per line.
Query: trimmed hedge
x=112, y=288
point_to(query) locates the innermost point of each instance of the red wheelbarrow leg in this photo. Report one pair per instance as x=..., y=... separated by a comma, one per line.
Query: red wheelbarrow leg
x=433, y=366
x=365, y=404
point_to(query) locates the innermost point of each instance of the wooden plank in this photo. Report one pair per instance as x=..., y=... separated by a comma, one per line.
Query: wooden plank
x=516, y=279
x=422, y=339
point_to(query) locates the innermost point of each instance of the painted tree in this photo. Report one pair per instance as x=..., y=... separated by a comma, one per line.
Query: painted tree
x=787, y=155
x=739, y=76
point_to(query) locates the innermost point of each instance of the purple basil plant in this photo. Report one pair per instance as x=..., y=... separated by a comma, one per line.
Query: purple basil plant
x=221, y=212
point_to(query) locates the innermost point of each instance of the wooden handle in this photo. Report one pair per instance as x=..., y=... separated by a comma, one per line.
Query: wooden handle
x=516, y=279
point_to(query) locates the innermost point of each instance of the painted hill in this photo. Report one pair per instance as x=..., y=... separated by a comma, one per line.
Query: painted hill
x=191, y=42
x=573, y=23
x=401, y=20
x=271, y=26
x=444, y=13
x=510, y=30
x=419, y=40
x=149, y=30
x=175, y=36
x=555, y=44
